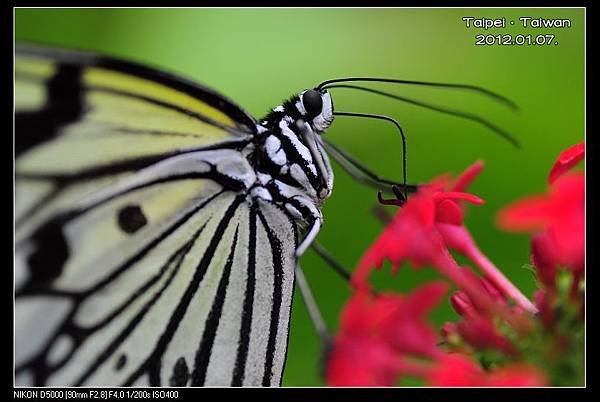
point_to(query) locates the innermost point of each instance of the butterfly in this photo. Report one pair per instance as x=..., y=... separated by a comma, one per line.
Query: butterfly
x=158, y=225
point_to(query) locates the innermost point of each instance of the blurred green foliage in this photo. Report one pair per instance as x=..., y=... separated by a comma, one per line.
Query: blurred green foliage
x=260, y=56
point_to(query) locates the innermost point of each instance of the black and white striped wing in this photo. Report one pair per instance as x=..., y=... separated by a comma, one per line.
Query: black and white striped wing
x=205, y=300
x=136, y=264
x=84, y=121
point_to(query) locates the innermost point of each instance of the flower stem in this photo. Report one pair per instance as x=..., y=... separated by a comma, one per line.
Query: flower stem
x=498, y=279
x=449, y=268
x=459, y=238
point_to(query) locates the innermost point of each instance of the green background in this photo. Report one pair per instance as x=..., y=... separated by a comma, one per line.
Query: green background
x=258, y=57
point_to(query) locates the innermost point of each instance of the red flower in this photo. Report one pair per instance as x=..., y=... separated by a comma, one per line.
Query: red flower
x=458, y=370
x=385, y=337
x=462, y=304
x=481, y=333
x=455, y=370
x=477, y=328
x=406, y=327
x=423, y=230
x=560, y=214
x=359, y=356
x=543, y=257
x=413, y=234
x=360, y=361
x=378, y=331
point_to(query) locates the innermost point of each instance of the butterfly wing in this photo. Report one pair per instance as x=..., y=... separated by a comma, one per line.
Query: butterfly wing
x=136, y=262
x=82, y=118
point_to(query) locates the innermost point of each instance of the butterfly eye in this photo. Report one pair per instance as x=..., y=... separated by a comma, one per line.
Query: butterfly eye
x=312, y=102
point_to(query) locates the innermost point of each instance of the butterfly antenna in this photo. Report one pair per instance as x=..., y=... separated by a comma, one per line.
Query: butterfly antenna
x=473, y=88
x=393, y=121
x=437, y=108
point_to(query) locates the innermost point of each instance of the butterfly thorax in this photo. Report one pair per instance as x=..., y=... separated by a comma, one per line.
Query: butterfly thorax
x=290, y=159
x=291, y=149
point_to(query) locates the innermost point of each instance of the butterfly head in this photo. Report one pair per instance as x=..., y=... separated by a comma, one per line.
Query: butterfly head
x=316, y=108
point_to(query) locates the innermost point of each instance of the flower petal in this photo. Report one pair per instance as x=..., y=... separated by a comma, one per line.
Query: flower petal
x=462, y=304
x=454, y=195
x=543, y=257
x=455, y=370
x=464, y=180
x=361, y=362
x=566, y=160
x=480, y=332
x=525, y=215
x=448, y=211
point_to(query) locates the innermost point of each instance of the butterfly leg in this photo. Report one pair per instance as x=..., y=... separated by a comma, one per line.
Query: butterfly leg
x=314, y=312
x=311, y=305
x=303, y=209
x=360, y=173
x=309, y=214
x=311, y=234
x=330, y=260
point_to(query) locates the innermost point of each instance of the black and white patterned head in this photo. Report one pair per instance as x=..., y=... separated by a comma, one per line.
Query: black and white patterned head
x=316, y=108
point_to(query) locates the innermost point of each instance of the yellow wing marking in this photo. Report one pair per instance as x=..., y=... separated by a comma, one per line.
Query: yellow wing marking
x=95, y=76
x=34, y=66
x=31, y=95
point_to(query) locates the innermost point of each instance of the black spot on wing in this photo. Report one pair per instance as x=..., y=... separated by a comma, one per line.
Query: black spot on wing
x=51, y=252
x=181, y=374
x=121, y=362
x=64, y=104
x=131, y=218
